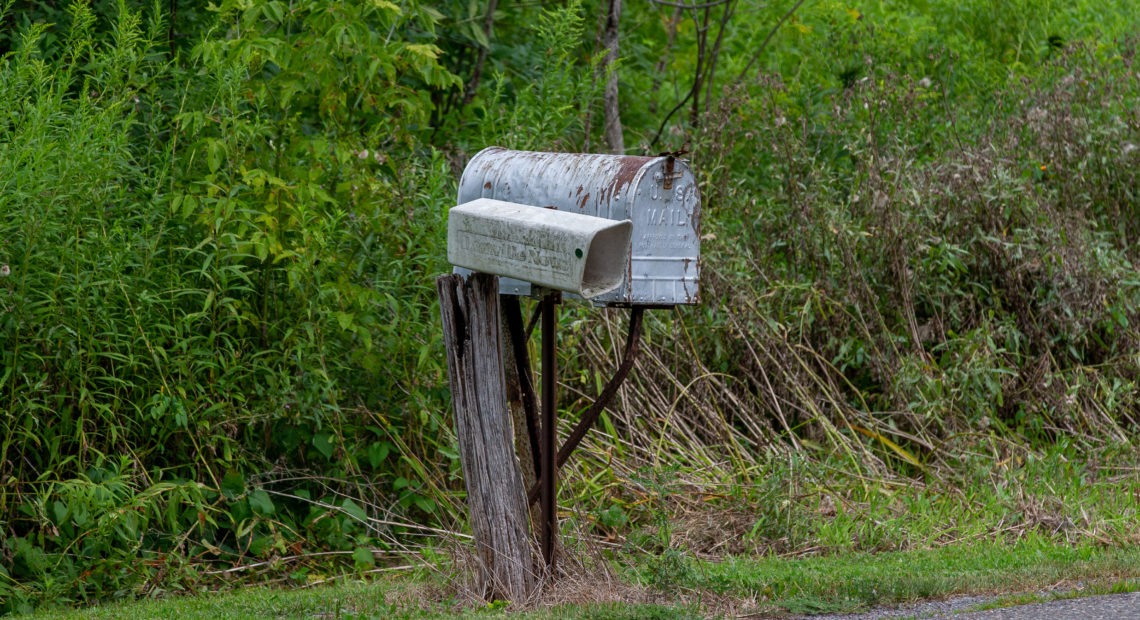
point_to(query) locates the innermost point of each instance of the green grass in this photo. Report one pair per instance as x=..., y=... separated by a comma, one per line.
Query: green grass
x=815, y=537
x=842, y=583
x=811, y=538
x=858, y=581
x=408, y=598
x=825, y=507
x=346, y=600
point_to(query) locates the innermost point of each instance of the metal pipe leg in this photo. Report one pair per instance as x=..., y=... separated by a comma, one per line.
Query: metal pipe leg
x=549, y=432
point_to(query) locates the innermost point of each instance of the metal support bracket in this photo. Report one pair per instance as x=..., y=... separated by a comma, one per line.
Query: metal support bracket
x=548, y=444
x=632, y=345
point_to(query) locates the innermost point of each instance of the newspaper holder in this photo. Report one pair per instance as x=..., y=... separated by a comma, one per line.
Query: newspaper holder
x=570, y=252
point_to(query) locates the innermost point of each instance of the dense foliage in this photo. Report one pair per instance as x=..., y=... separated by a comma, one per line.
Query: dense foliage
x=221, y=227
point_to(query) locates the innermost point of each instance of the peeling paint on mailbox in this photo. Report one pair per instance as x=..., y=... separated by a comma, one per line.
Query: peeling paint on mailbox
x=664, y=263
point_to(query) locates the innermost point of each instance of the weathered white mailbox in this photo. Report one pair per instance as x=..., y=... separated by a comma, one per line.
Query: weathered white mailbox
x=657, y=194
x=571, y=252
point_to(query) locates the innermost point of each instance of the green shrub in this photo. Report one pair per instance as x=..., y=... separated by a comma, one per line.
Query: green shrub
x=221, y=274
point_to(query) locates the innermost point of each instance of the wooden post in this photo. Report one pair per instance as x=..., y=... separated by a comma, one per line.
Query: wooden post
x=496, y=497
x=521, y=399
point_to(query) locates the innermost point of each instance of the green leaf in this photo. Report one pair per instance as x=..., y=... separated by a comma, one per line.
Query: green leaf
x=215, y=153
x=344, y=319
x=362, y=558
x=424, y=503
x=480, y=36
x=387, y=6
x=323, y=443
x=423, y=50
x=261, y=504
x=189, y=205
x=354, y=510
x=274, y=11
x=902, y=452
x=377, y=452
x=233, y=485
x=60, y=510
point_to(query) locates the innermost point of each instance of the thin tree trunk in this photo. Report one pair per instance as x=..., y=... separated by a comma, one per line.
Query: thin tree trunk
x=615, y=141
x=698, y=75
x=714, y=57
x=477, y=73
x=663, y=63
x=496, y=497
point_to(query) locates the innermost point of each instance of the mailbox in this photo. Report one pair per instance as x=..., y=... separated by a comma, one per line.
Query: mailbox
x=658, y=195
x=571, y=252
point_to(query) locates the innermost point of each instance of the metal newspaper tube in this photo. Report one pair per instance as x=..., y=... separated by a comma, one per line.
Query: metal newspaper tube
x=564, y=251
x=618, y=231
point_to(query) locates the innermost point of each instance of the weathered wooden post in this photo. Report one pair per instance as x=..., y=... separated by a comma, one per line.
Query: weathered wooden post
x=496, y=495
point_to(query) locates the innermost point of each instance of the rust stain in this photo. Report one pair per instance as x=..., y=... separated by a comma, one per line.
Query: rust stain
x=628, y=166
x=582, y=202
x=487, y=185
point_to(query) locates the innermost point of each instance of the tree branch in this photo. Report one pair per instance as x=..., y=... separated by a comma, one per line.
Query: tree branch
x=767, y=40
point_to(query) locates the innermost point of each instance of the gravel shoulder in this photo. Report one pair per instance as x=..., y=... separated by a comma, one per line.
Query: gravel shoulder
x=1074, y=605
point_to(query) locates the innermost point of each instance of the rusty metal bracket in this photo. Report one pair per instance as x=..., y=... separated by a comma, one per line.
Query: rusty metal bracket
x=518, y=336
x=534, y=316
x=632, y=345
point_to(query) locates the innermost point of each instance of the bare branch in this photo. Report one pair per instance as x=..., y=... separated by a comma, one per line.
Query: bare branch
x=615, y=141
x=768, y=39
x=477, y=74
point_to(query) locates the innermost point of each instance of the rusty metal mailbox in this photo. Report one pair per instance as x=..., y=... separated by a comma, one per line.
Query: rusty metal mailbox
x=658, y=194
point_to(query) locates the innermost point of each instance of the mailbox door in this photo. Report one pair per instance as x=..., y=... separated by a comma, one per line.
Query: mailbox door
x=665, y=257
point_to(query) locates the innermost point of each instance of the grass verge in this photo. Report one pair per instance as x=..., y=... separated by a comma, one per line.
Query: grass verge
x=767, y=587
x=857, y=582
